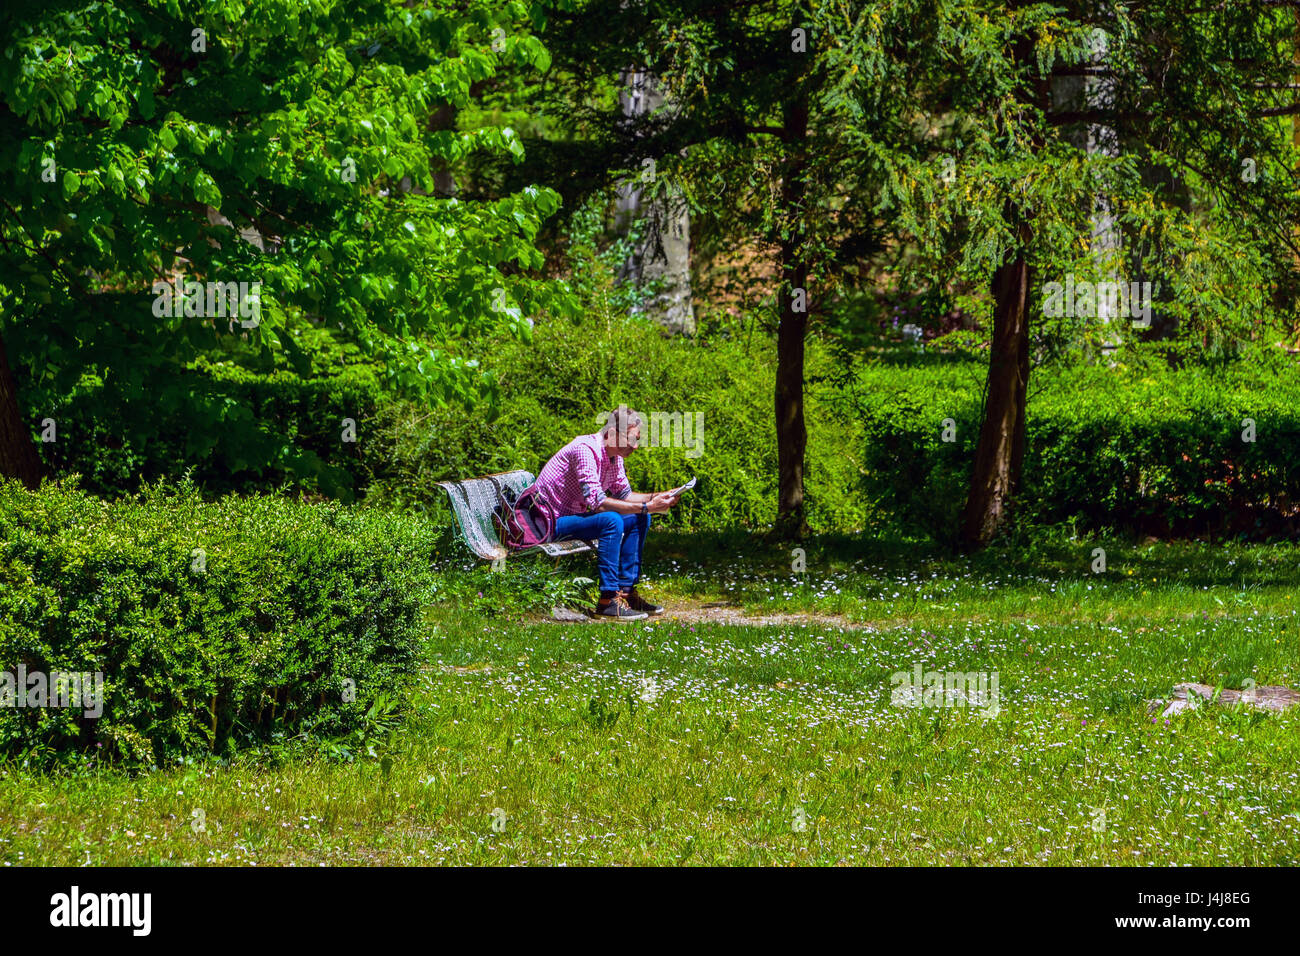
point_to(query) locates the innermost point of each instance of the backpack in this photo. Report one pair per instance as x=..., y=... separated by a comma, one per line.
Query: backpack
x=524, y=522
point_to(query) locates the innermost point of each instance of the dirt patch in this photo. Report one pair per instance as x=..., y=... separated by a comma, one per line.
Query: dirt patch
x=734, y=614
x=724, y=613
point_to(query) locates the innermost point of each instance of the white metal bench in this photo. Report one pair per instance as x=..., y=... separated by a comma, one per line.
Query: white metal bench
x=474, y=500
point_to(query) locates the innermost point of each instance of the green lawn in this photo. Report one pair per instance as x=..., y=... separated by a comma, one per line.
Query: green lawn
x=691, y=741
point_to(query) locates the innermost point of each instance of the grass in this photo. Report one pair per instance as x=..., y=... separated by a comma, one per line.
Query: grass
x=686, y=741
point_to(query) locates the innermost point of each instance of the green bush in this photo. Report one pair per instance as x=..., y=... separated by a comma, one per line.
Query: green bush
x=556, y=387
x=1167, y=454
x=230, y=428
x=213, y=624
x=1161, y=452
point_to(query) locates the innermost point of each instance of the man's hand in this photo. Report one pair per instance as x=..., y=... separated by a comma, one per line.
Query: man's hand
x=661, y=503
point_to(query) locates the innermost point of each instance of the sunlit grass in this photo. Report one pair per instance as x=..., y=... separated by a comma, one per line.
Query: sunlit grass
x=672, y=741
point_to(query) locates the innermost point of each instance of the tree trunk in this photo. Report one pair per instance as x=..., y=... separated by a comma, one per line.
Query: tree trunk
x=18, y=458
x=663, y=253
x=1000, y=451
x=1107, y=240
x=1001, y=448
x=1092, y=94
x=444, y=181
x=791, y=432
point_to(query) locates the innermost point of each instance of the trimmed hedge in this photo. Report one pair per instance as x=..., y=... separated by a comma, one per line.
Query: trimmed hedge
x=214, y=625
x=1162, y=454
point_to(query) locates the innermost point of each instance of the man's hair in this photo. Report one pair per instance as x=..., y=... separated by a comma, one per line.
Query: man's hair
x=621, y=421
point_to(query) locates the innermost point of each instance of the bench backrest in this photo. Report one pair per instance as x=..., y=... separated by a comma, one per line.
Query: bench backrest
x=473, y=501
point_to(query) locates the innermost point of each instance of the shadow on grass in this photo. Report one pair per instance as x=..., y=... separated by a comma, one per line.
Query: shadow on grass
x=1055, y=555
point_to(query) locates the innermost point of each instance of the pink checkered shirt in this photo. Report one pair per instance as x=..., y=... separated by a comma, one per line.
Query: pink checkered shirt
x=580, y=476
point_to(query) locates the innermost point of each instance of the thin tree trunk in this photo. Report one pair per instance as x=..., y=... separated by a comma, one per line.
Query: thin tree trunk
x=1000, y=452
x=1107, y=239
x=663, y=253
x=791, y=432
x=1001, y=449
x=18, y=458
x=1088, y=94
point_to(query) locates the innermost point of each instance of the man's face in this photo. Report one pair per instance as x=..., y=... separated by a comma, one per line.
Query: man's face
x=622, y=451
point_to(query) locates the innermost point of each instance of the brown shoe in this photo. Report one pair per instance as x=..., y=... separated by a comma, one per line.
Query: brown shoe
x=637, y=603
x=613, y=606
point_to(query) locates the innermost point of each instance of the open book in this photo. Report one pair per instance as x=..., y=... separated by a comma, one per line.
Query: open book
x=677, y=492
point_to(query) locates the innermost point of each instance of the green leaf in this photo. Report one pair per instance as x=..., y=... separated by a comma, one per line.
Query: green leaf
x=205, y=189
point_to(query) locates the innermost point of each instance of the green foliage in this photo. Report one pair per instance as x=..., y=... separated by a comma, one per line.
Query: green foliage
x=1162, y=452
x=214, y=625
x=229, y=427
x=528, y=583
x=1167, y=454
x=594, y=262
x=263, y=142
x=1000, y=166
x=571, y=374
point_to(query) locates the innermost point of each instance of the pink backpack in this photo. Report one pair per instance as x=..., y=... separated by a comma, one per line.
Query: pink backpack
x=525, y=522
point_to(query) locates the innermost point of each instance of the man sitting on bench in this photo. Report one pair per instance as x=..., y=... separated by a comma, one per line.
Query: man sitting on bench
x=587, y=488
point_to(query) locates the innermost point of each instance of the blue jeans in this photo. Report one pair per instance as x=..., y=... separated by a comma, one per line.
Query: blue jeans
x=621, y=538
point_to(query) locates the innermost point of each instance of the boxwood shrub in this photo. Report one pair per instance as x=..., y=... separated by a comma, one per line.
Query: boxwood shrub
x=214, y=625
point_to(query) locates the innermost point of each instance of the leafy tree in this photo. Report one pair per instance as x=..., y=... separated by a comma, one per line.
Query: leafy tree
x=1005, y=192
x=756, y=139
x=930, y=135
x=291, y=144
